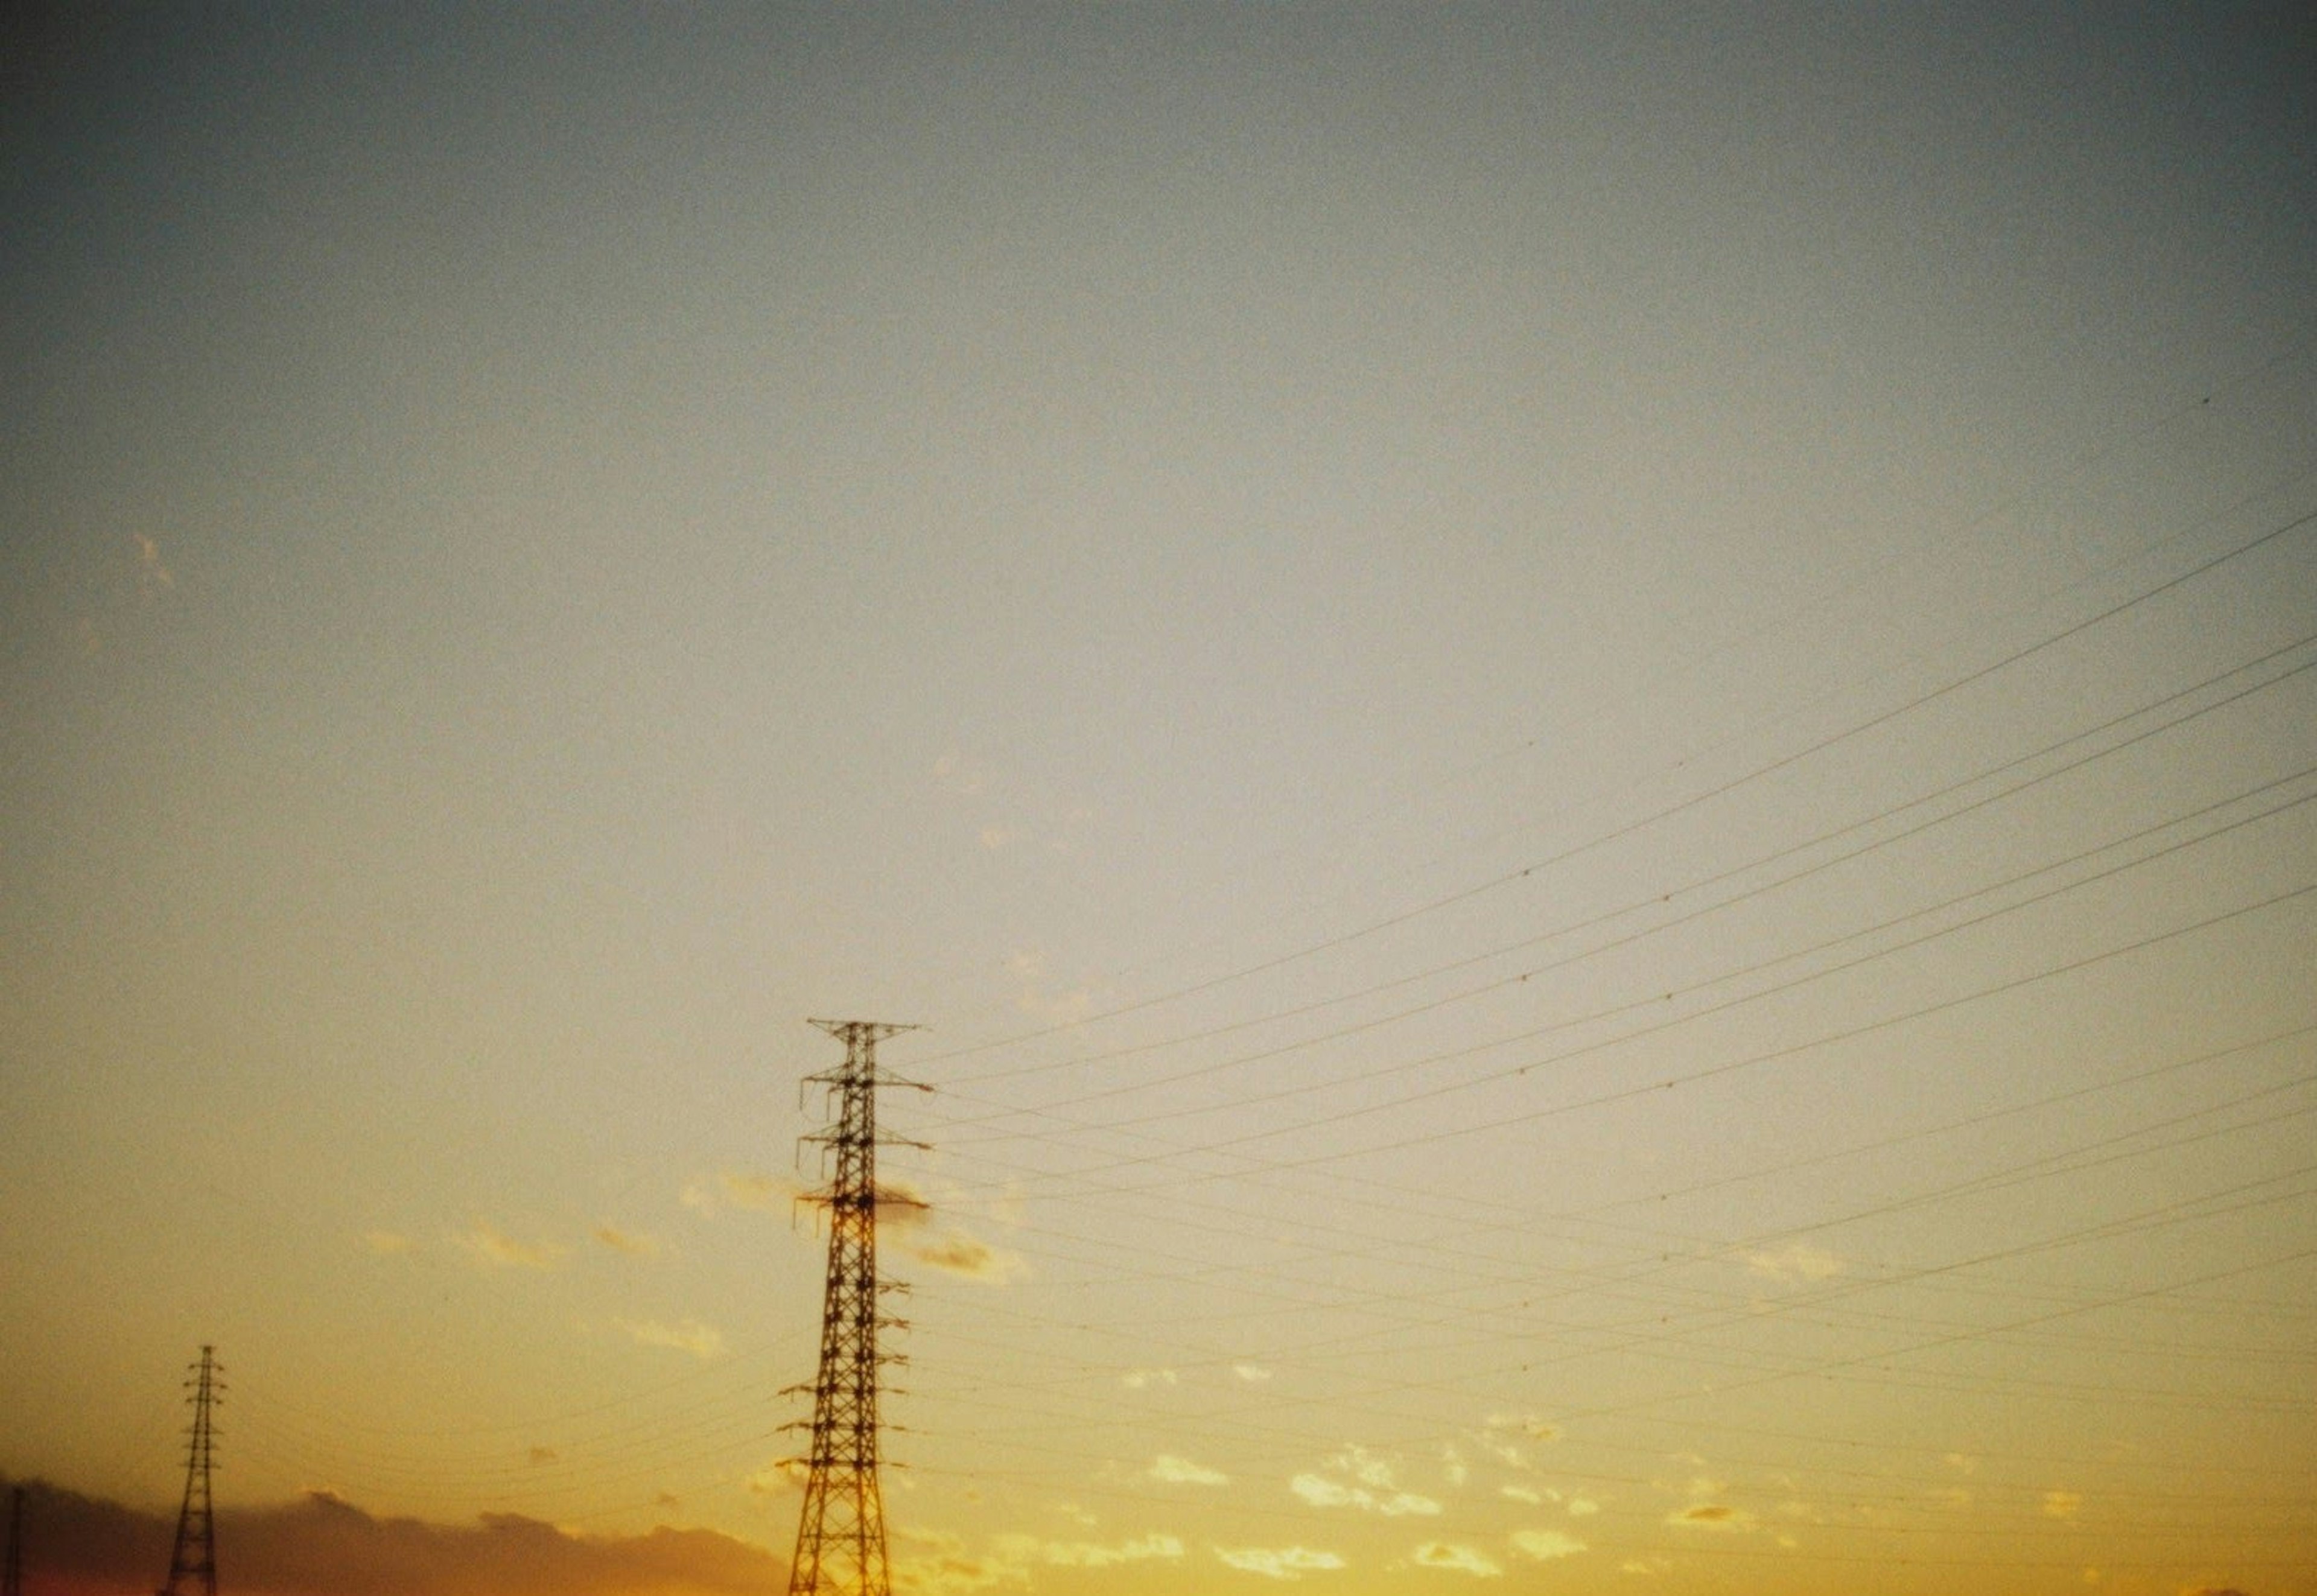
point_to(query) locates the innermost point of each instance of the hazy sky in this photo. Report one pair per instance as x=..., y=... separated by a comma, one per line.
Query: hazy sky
x=1589, y=733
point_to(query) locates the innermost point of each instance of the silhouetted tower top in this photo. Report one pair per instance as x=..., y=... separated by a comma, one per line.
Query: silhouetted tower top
x=192, y=1565
x=840, y=1548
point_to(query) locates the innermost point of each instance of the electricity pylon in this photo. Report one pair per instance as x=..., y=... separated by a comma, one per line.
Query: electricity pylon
x=840, y=1546
x=193, y=1565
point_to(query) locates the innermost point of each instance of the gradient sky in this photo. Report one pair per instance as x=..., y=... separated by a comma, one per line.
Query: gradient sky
x=1588, y=734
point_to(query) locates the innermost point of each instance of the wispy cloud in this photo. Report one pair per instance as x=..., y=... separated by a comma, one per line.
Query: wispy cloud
x=634, y=1243
x=1546, y=1545
x=1142, y=1379
x=1460, y=1559
x=779, y=1477
x=1040, y=996
x=1278, y=1563
x=1711, y=1515
x=1253, y=1373
x=908, y=1214
x=493, y=1248
x=690, y=1336
x=153, y=578
x=1022, y=1550
x=1170, y=1470
x=2062, y=1504
x=1358, y=1478
x=955, y=1252
x=733, y=1189
x=385, y=1243
x=1795, y=1262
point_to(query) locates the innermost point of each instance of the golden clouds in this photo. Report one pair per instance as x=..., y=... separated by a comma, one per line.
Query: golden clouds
x=493, y=1248
x=1546, y=1545
x=632, y=1243
x=1358, y=1478
x=691, y=1336
x=907, y=1213
x=1795, y=1262
x=1168, y=1469
x=1278, y=1563
x=945, y=1565
x=730, y=1188
x=1459, y=1559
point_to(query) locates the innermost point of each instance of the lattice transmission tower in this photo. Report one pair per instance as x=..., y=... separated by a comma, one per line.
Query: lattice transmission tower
x=193, y=1565
x=840, y=1546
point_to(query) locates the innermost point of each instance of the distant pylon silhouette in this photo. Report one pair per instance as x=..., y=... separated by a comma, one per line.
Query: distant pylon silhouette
x=840, y=1546
x=193, y=1565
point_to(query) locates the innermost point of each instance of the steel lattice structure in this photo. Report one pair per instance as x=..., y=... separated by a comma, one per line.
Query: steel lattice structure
x=193, y=1565
x=840, y=1546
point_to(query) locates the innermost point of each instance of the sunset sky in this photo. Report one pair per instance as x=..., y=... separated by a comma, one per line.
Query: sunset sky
x=1588, y=734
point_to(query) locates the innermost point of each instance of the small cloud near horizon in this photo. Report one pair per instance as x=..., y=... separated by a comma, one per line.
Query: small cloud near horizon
x=1170, y=1470
x=701, y=1340
x=1278, y=1563
x=489, y=1246
x=1441, y=1554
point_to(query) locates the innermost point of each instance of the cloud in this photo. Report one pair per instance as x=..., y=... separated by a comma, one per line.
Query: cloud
x=1794, y=1261
x=1358, y=1478
x=1253, y=1374
x=907, y=1214
x=321, y=1544
x=1168, y=1469
x=2062, y=1504
x=1142, y=1379
x=1522, y=1493
x=731, y=1188
x=153, y=578
x=958, y=775
x=994, y=838
x=1546, y=1545
x=939, y=1562
x=1019, y=1550
x=385, y=1243
x=691, y=1336
x=779, y=1477
x=1711, y=1515
x=1039, y=998
x=541, y=1456
x=1440, y=1554
x=956, y=1252
x=634, y=1243
x=1278, y=1563
x=1581, y=1507
x=493, y=1248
